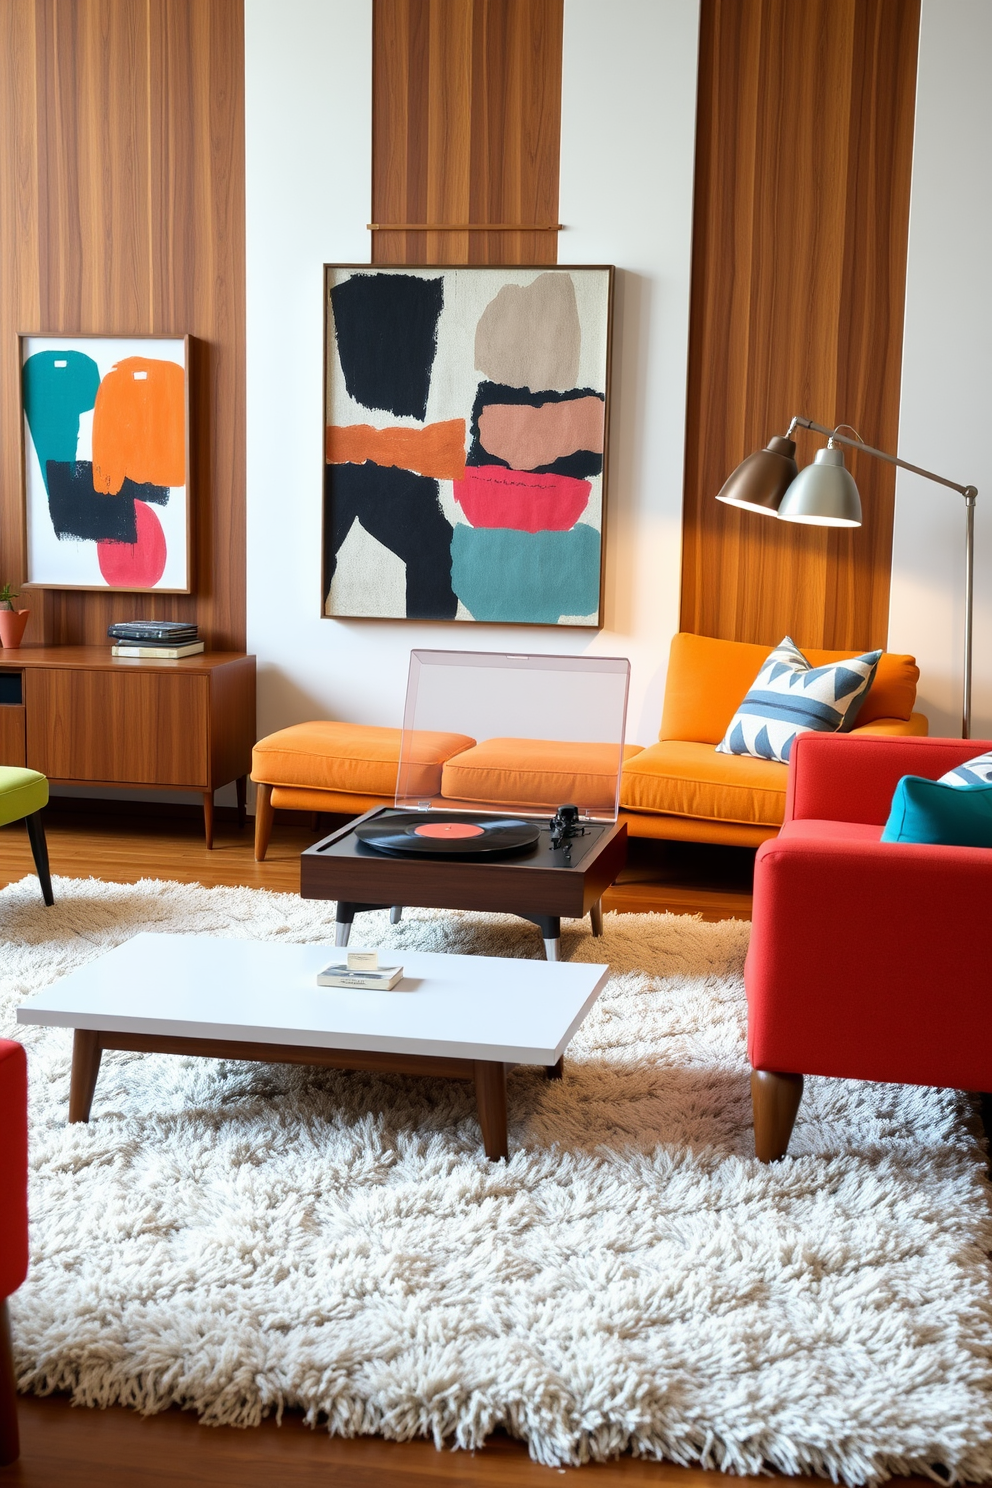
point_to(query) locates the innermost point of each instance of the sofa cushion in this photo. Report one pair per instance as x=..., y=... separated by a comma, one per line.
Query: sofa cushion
x=707, y=679
x=977, y=771
x=790, y=697
x=355, y=758
x=689, y=779
x=948, y=815
x=539, y=773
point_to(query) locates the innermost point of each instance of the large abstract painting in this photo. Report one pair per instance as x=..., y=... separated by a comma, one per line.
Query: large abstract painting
x=466, y=416
x=106, y=459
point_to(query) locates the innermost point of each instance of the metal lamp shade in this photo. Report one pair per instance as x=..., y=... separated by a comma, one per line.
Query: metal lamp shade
x=760, y=481
x=824, y=494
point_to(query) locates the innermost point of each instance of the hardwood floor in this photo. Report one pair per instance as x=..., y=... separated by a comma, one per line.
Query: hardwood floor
x=116, y=1448
x=681, y=877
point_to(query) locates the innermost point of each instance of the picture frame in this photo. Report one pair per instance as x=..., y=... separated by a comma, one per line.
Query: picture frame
x=466, y=442
x=105, y=462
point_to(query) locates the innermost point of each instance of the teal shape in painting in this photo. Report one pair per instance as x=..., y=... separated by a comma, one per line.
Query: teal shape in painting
x=534, y=578
x=59, y=386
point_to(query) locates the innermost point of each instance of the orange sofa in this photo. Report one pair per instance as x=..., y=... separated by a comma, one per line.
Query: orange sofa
x=681, y=788
x=677, y=788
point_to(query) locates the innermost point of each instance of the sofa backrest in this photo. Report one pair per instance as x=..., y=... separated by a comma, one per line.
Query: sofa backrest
x=707, y=679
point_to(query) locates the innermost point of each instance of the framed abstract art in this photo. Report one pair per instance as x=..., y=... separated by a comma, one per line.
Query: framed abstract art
x=466, y=413
x=105, y=431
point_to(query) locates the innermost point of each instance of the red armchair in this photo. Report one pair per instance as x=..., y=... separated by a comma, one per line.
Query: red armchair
x=868, y=960
x=13, y=1224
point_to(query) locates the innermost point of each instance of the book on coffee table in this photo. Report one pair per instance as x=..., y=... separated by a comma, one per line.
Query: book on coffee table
x=339, y=974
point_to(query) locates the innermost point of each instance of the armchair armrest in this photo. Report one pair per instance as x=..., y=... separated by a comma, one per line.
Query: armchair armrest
x=871, y=960
x=840, y=777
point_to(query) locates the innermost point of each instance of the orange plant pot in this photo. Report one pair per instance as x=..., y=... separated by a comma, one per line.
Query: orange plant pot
x=12, y=623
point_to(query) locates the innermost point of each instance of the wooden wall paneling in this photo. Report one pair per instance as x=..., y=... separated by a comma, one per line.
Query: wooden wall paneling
x=803, y=159
x=122, y=212
x=466, y=127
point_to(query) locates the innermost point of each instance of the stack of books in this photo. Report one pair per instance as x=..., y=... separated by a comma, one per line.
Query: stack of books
x=164, y=640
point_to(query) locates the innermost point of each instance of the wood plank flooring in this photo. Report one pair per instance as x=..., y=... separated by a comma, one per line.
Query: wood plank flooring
x=116, y=1448
x=680, y=877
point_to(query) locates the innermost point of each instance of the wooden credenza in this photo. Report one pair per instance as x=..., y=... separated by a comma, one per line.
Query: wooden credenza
x=84, y=717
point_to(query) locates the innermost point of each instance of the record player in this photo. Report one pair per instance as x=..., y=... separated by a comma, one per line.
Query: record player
x=523, y=819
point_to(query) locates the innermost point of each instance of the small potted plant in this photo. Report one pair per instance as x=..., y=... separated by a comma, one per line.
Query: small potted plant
x=12, y=622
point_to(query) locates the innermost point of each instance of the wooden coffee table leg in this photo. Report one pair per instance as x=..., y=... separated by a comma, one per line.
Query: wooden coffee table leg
x=596, y=916
x=86, y=1053
x=490, y=1095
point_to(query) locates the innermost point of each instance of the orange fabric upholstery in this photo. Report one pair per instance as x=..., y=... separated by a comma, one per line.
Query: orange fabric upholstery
x=917, y=724
x=541, y=773
x=357, y=759
x=708, y=678
x=687, y=791
x=290, y=798
x=688, y=829
x=689, y=779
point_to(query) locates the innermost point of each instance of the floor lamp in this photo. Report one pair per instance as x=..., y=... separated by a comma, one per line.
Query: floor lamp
x=825, y=495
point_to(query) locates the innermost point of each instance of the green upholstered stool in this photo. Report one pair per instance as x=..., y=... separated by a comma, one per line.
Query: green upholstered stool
x=23, y=794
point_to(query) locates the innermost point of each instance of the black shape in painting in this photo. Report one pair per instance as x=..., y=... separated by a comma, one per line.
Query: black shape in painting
x=80, y=513
x=145, y=491
x=402, y=511
x=385, y=326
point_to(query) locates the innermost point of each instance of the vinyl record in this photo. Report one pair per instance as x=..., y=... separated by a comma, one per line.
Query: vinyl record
x=446, y=835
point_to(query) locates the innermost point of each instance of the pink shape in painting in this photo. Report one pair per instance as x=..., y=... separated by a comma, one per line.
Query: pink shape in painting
x=492, y=496
x=137, y=565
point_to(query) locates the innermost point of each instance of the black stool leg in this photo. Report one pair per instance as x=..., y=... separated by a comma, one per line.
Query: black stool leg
x=39, y=851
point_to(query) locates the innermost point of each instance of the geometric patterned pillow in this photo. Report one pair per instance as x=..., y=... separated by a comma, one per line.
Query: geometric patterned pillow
x=977, y=771
x=790, y=697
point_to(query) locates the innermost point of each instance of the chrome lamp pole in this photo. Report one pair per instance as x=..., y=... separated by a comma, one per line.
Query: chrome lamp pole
x=824, y=494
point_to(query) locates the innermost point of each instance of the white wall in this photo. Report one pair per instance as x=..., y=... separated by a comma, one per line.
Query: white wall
x=947, y=366
x=628, y=120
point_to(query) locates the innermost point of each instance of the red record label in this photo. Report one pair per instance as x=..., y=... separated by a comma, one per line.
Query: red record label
x=450, y=829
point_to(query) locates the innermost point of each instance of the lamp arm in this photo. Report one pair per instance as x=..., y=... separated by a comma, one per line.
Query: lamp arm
x=970, y=494
x=868, y=449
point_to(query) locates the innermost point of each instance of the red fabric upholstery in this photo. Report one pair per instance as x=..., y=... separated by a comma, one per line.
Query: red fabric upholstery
x=13, y=1167
x=840, y=777
x=869, y=960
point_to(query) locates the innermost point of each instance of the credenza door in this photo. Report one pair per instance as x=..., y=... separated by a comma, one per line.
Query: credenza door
x=118, y=727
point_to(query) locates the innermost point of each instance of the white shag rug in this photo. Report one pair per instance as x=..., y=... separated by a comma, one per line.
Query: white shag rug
x=238, y=1238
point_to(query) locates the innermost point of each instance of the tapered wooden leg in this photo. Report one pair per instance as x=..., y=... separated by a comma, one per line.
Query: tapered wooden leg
x=39, y=851
x=208, y=817
x=774, y=1103
x=86, y=1053
x=596, y=916
x=490, y=1095
x=10, y=1445
x=263, y=821
x=555, y=1071
x=241, y=785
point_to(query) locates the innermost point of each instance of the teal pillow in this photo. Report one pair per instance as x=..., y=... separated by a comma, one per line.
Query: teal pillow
x=930, y=811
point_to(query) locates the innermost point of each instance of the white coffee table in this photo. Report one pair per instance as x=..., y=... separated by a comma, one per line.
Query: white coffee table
x=460, y=1017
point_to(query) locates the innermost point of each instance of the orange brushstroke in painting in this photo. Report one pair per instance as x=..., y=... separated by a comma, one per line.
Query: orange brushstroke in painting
x=139, y=425
x=436, y=450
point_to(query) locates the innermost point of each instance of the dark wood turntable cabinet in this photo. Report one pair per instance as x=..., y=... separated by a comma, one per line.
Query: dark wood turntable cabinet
x=540, y=884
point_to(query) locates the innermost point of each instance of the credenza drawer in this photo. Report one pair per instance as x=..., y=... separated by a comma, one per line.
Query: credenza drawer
x=11, y=734
x=139, y=727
